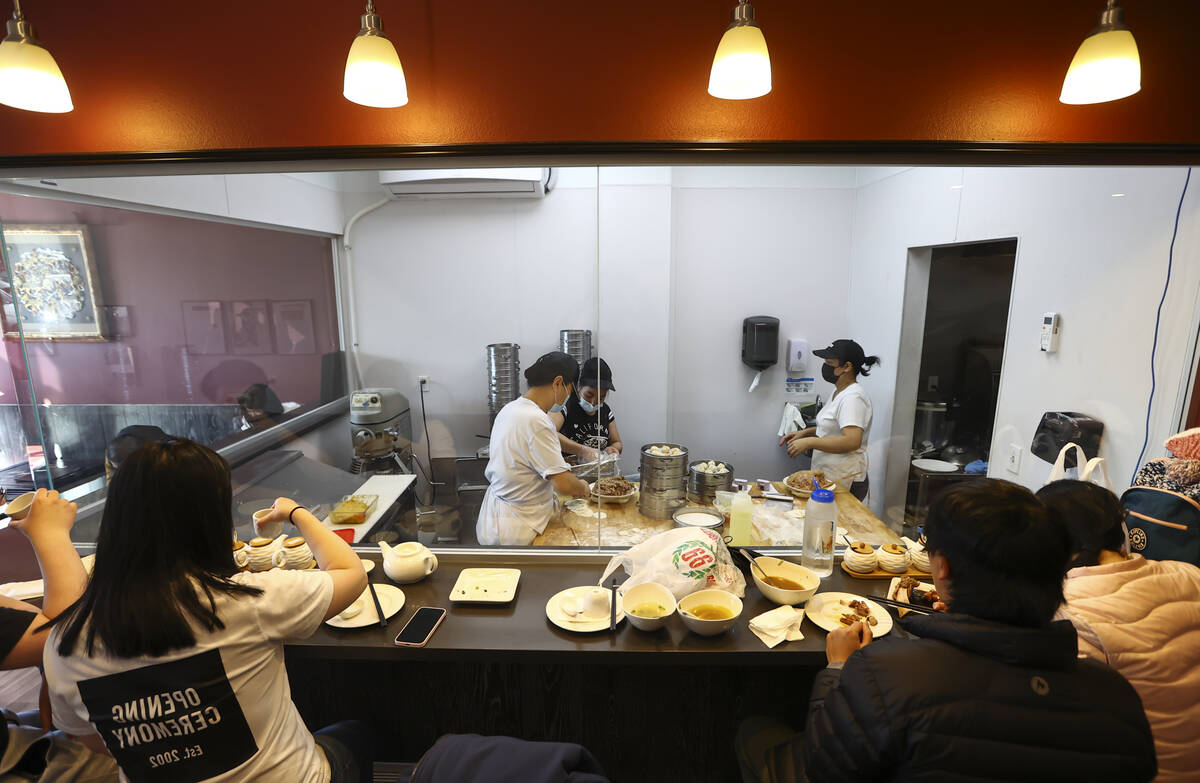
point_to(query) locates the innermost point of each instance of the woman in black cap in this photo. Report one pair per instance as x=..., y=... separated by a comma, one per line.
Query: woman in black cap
x=839, y=440
x=586, y=425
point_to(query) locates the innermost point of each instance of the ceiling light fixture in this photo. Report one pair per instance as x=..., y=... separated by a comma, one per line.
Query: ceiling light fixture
x=29, y=77
x=741, y=68
x=374, y=76
x=1107, y=66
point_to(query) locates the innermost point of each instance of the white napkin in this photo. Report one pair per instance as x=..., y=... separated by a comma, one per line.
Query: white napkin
x=23, y=591
x=791, y=421
x=778, y=625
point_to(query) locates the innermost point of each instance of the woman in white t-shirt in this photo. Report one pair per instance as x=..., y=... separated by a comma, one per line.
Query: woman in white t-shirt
x=839, y=440
x=526, y=464
x=172, y=660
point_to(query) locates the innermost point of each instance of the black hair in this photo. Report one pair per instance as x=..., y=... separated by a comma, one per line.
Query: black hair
x=1094, y=518
x=550, y=366
x=864, y=368
x=128, y=440
x=165, y=538
x=261, y=397
x=1006, y=549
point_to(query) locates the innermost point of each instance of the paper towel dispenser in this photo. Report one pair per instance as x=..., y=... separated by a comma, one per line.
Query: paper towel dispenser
x=760, y=341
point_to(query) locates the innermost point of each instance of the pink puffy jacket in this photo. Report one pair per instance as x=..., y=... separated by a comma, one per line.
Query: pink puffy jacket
x=1143, y=618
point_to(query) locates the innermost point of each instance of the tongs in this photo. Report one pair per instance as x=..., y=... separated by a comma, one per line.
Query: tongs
x=587, y=467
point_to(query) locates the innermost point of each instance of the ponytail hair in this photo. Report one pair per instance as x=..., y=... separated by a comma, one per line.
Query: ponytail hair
x=867, y=363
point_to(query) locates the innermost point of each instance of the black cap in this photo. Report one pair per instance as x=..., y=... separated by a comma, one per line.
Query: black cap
x=843, y=351
x=595, y=373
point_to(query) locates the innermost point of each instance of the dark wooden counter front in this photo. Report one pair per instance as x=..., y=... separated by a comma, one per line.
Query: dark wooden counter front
x=658, y=706
x=520, y=631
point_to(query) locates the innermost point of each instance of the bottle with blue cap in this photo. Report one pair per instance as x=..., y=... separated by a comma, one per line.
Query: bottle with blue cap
x=820, y=529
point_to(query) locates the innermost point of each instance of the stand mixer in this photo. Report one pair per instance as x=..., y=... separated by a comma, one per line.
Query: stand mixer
x=381, y=431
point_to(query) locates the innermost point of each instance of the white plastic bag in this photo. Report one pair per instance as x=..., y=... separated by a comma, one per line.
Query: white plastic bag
x=683, y=560
x=1092, y=470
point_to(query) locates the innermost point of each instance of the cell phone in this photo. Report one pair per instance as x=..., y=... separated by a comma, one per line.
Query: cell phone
x=420, y=627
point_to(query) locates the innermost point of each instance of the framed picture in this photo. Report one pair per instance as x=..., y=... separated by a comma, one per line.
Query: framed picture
x=204, y=327
x=293, y=322
x=54, y=294
x=251, y=333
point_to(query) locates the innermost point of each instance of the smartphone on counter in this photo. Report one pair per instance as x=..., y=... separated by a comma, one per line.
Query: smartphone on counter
x=420, y=627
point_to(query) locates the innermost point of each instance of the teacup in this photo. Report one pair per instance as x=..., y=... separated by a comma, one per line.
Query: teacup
x=592, y=605
x=266, y=529
x=18, y=507
x=294, y=554
x=407, y=563
x=260, y=555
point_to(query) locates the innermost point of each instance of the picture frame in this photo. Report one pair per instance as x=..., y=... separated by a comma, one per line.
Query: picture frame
x=250, y=331
x=294, y=330
x=204, y=327
x=49, y=290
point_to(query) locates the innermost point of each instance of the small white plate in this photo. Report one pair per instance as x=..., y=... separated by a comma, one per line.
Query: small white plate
x=935, y=465
x=368, y=565
x=391, y=599
x=826, y=609
x=485, y=586
x=565, y=621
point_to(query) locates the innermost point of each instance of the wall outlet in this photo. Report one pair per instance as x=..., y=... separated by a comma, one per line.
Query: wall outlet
x=423, y=380
x=1013, y=464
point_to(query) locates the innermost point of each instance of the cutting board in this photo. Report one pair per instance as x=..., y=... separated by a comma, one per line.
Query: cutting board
x=879, y=573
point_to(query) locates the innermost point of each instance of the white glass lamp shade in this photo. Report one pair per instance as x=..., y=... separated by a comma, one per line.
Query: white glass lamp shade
x=741, y=68
x=1105, y=68
x=31, y=80
x=374, y=76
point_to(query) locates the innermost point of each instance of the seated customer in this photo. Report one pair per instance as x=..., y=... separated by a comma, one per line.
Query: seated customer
x=125, y=443
x=992, y=690
x=174, y=657
x=1142, y=617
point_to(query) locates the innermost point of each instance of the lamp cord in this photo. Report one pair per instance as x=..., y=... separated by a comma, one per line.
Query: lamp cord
x=1158, y=321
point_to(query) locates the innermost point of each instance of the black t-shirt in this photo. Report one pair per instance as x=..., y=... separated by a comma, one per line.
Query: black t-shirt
x=583, y=428
x=13, y=625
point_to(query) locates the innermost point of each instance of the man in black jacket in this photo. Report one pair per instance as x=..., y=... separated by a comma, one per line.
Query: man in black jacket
x=992, y=690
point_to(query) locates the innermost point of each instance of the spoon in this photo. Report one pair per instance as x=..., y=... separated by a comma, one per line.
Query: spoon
x=754, y=564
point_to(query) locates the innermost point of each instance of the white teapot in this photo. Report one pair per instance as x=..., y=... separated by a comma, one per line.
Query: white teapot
x=407, y=563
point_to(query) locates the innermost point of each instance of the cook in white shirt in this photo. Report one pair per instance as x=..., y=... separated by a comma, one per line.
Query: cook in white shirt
x=839, y=440
x=526, y=464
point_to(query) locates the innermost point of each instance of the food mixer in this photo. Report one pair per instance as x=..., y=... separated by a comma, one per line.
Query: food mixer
x=381, y=431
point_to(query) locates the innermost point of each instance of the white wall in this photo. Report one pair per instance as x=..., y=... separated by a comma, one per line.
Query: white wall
x=1100, y=261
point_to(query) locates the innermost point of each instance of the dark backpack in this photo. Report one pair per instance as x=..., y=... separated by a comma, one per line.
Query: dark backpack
x=1163, y=525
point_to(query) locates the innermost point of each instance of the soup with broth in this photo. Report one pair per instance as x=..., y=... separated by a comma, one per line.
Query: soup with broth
x=783, y=583
x=710, y=612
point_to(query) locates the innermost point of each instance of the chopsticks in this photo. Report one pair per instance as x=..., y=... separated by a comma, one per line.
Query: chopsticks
x=902, y=605
x=612, y=606
x=378, y=608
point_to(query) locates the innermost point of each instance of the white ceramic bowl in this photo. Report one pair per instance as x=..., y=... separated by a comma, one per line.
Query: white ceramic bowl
x=645, y=593
x=773, y=566
x=710, y=596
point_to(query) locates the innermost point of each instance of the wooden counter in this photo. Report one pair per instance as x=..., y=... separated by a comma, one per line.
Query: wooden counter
x=624, y=525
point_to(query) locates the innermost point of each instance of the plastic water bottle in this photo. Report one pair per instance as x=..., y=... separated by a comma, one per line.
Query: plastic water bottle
x=739, y=519
x=820, y=528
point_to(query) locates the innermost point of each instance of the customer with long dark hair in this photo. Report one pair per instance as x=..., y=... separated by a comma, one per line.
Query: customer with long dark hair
x=1141, y=617
x=172, y=660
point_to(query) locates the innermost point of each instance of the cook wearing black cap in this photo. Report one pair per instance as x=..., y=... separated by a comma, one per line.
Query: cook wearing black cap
x=586, y=425
x=839, y=440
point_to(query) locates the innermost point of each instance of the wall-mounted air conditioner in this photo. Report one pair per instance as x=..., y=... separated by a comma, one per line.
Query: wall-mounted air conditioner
x=468, y=183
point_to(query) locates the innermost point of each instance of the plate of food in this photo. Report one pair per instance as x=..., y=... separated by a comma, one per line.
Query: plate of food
x=614, y=490
x=800, y=483
x=910, y=590
x=830, y=611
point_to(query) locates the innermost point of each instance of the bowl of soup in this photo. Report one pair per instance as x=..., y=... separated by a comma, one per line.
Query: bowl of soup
x=648, y=606
x=710, y=612
x=786, y=584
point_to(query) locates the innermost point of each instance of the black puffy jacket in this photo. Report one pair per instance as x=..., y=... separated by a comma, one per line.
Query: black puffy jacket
x=973, y=700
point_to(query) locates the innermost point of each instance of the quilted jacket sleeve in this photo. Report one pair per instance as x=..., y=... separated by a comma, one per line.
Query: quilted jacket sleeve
x=849, y=732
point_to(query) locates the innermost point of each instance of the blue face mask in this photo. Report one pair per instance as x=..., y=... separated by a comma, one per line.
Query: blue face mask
x=588, y=408
x=558, y=406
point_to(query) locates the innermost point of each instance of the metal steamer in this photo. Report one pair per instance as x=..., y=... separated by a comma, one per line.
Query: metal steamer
x=703, y=487
x=577, y=343
x=664, y=482
x=504, y=376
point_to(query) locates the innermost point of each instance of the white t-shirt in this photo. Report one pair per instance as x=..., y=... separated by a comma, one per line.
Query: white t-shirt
x=524, y=453
x=219, y=711
x=849, y=408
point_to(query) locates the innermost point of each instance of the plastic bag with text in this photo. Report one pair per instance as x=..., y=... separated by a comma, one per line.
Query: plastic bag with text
x=683, y=560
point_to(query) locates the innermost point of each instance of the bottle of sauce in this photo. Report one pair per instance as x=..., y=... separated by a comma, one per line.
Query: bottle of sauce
x=740, y=513
x=820, y=528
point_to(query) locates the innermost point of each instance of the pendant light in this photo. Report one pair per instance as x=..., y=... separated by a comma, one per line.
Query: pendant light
x=1107, y=66
x=741, y=68
x=374, y=76
x=29, y=77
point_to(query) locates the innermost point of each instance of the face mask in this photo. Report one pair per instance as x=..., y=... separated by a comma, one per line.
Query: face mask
x=588, y=408
x=558, y=406
x=828, y=374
